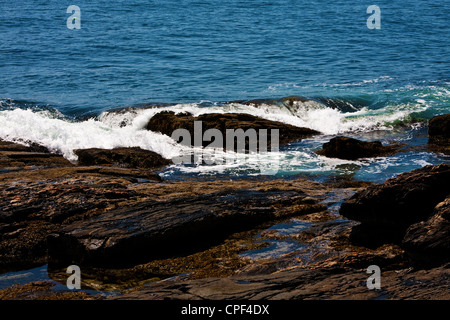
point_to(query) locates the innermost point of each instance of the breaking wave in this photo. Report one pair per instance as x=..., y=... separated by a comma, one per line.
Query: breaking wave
x=24, y=121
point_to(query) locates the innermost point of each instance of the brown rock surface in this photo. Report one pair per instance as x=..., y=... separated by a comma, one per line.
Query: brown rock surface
x=154, y=229
x=204, y=232
x=121, y=157
x=15, y=155
x=386, y=210
x=45, y=201
x=303, y=284
x=428, y=242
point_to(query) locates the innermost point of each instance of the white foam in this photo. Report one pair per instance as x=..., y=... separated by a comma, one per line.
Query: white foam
x=64, y=136
x=127, y=129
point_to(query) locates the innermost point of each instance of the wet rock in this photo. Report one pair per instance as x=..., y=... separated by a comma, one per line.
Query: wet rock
x=388, y=209
x=18, y=156
x=352, y=149
x=331, y=283
x=155, y=229
x=31, y=147
x=43, y=290
x=428, y=242
x=43, y=201
x=167, y=122
x=59, y=199
x=439, y=134
x=14, y=160
x=34, y=204
x=122, y=157
x=24, y=244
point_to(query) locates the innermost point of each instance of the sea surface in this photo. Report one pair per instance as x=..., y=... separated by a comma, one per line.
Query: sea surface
x=62, y=87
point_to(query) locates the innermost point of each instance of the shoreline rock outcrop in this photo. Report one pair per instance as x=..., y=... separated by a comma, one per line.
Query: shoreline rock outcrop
x=353, y=149
x=428, y=242
x=153, y=229
x=410, y=209
x=42, y=200
x=126, y=227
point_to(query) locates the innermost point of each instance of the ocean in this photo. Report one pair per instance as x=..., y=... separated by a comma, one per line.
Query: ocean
x=67, y=88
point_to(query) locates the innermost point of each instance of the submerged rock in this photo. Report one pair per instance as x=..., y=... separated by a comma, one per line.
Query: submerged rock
x=122, y=157
x=167, y=122
x=388, y=209
x=352, y=149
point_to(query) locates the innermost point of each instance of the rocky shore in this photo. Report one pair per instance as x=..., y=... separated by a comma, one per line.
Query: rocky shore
x=141, y=237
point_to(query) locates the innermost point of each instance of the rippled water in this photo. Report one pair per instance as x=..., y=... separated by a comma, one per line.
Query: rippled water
x=197, y=56
x=135, y=51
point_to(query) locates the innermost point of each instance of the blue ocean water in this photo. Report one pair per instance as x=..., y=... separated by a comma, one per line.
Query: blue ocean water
x=198, y=55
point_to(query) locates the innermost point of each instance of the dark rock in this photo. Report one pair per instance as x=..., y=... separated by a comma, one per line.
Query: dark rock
x=391, y=207
x=439, y=134
x=135, y=175
x=15, y=155
x=30, y=147
x=155, y=229
x=45, y=198
x=330, y=283
x=43, y=201
x=16, y=160
x=122, y=157
x=167, y=122
x=24, y=244
x=439, y=129
x=428, y=242
x=375, y=235
x=352, y=149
